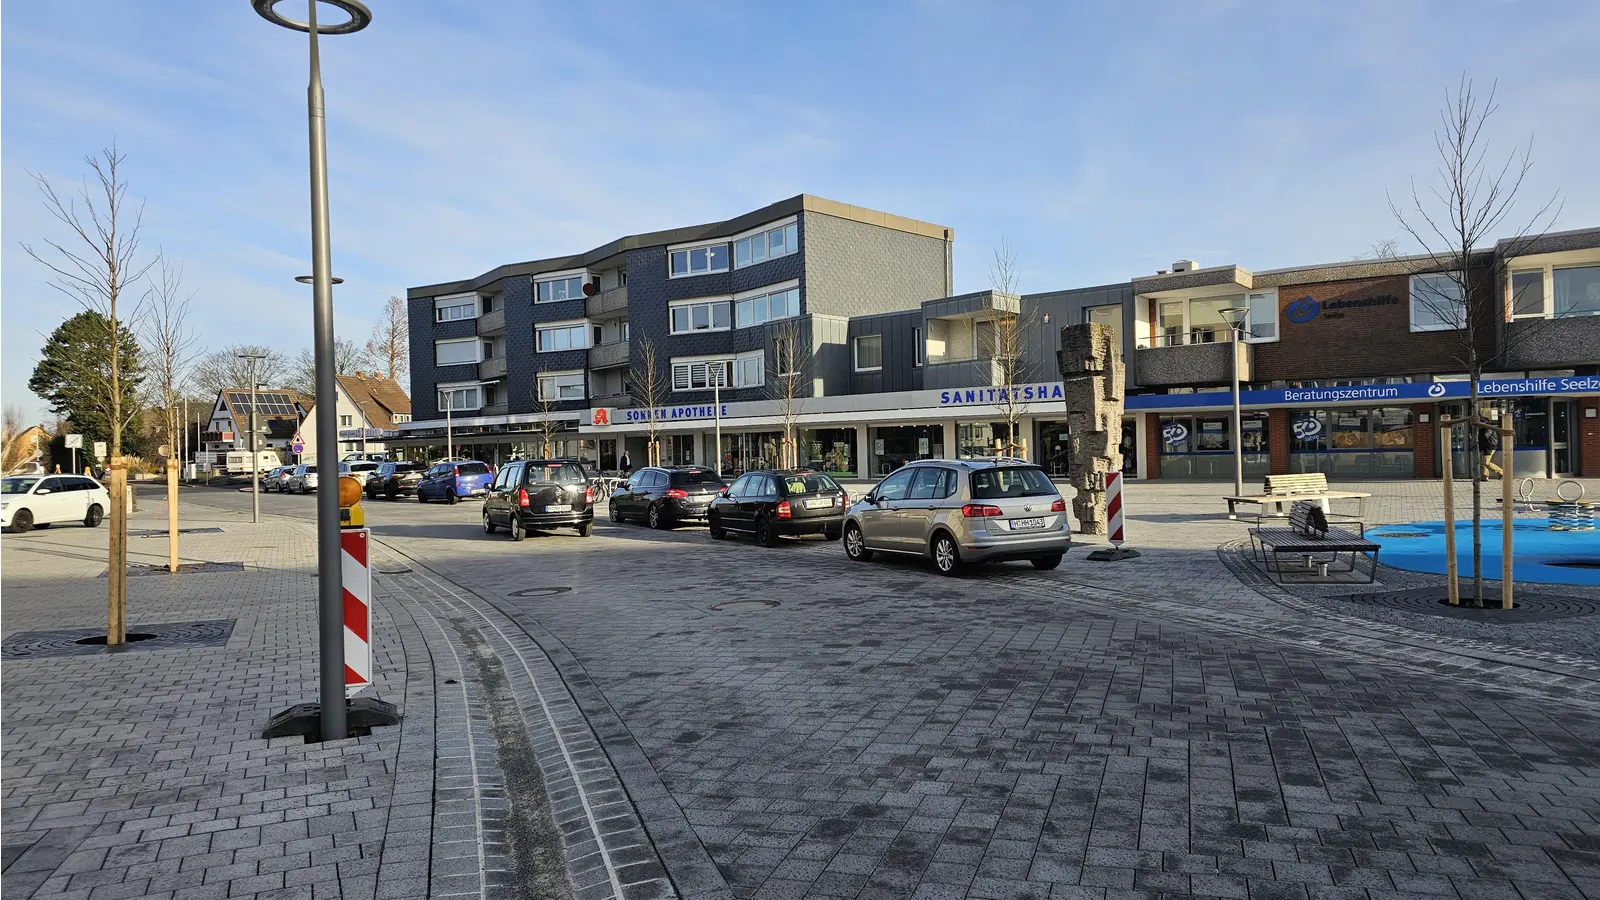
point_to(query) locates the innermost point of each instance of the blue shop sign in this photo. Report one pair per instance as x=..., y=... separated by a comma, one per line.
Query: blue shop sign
x=1026, y=392
x=671, y=413
x=1374, y=393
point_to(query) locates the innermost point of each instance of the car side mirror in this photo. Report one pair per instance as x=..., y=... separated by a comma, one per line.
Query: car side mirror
x=870, y=499
x=41, y=492
x=723, y=492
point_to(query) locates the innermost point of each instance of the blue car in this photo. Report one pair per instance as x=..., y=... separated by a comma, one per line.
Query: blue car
x=450, y=481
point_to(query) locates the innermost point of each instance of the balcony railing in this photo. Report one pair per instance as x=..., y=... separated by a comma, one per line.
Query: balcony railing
x=1551, y=343
x=492, y=322
x=492, y=368
x=606, y=356
x=607, y=303
x=1186, y=364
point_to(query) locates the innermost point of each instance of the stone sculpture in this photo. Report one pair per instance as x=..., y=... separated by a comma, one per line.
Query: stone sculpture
x=1090, y=360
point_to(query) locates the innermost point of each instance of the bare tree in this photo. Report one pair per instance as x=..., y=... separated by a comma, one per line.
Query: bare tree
x=169, y=345
x=389, y=348
x=223, y=369
x=547, y=400
x=789, y=385
x=302, y=372
x=103, y=260
x=1474, y=197
x=1003, y=340
x=14, y=448
x=1382, y=249
x=650, y=389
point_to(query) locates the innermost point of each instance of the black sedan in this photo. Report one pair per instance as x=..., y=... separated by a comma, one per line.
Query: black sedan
x=769, y=504
x=664, y=496
x=394, y=479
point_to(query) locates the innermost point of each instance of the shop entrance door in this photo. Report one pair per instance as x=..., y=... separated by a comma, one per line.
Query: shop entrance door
x=1562, y=414
x=1053, y=455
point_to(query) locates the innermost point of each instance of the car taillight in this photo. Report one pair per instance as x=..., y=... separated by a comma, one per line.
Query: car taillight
x=1059, y=506
x=784, y=511
x=588, y=494
x=522, y=496
x=980, y=511
x=677, y=494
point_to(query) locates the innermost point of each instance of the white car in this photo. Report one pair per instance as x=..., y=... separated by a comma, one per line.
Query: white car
x=39, y=501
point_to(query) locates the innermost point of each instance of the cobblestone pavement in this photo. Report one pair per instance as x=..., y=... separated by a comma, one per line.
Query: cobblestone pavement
x=1110, y=731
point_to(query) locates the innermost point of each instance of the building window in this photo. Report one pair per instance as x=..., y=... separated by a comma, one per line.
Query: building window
x=1263, y=322
x=699, y=375
x=869, y=353
x=561, y=386
x=456, y=398
x=701, y=260
x=567, y=288
x=699, y=315
x=345, y=421
x=460, y=351
x=1109, y=316
x=488, y=349
x=786, y=354
x=772, y=243
x=451, y=309
x=1527, y=294
x=1436, y=303
x=749, y=369
x=1577, y=291
x=574, y=336
x=916, y=346
x=766, y=307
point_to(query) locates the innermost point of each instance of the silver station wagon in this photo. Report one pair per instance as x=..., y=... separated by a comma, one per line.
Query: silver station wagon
x=960, y=511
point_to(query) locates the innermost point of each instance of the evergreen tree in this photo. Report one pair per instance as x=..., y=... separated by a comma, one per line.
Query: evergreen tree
x=74, y=376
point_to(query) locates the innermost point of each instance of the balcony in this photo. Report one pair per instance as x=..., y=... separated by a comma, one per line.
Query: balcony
x=497, y=408
x=1551, y=343
x=607, y=303
x=492, y=368
x=621, y=400
x=1188, y=364
x=609, y=356
x=491, y=323
x=960, y=373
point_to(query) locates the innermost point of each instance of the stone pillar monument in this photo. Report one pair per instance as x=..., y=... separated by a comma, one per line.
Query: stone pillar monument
x=1091, y=372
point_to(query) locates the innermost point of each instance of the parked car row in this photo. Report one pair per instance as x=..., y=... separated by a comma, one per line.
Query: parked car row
x=39, y=501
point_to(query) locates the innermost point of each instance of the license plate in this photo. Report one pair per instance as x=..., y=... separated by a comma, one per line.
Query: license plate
x=1026, y=524
x=559, y=507
x=819, y=503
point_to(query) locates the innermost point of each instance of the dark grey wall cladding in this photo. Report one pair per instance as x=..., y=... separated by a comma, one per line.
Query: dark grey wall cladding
x=899, y=352
x=521, y=362
x=425, y=376
x=855, y=269
x=1067, y=308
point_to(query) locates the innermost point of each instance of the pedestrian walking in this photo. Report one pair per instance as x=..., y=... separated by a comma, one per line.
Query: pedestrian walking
x=625, y=464
x=1488, y=443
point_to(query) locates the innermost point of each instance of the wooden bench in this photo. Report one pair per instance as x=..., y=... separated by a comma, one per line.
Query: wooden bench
x=1309, y=536
x=1281, y=490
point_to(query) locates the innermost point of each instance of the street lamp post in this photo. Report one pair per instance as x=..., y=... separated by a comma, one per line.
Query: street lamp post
x=255, y=464
x=330, y=591
x=449, y=405
x=1235, y=317
x=716, y=407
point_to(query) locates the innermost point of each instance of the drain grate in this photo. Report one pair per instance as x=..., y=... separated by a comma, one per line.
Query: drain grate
x=91, y=641
x=540, y=591
x=200, y=568
x=744, y=605
x=1402, y=534
x=1531, y=606
x=162, y=532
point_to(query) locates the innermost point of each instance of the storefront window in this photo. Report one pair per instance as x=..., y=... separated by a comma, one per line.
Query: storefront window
x=1351, y=442
x=1391, y=428
x=747, y=452
x=1054, y=451
x=894, y=447
x=1200, y=446
x=1211, y=433
x=678, y=450
x=976, y=439
x=833, y=450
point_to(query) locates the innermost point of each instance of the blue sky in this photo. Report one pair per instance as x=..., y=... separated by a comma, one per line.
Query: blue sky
x=1100, y=140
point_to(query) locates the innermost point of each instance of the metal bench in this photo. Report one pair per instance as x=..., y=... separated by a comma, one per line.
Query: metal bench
x=1282, y=490
x=1310, y=537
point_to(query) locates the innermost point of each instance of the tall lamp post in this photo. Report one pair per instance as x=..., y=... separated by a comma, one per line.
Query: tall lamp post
x=255, y=464
x=1235, y=317
x=330, y=591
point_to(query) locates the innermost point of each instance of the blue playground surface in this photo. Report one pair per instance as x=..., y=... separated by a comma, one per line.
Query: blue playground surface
x=1536, y=550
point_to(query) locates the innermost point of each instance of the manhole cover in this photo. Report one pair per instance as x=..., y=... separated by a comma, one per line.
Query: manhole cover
x=744, y=605
x=162, y=532
x=91, y=641
x=199, y=568
x=1402, y=534
x=399, y=571
x=1531, y=606
x=540, y=591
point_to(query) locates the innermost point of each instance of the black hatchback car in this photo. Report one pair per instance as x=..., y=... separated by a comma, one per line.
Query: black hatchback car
x=767, y=504
x=394, y=479
x=539, y=494
x=664, y=496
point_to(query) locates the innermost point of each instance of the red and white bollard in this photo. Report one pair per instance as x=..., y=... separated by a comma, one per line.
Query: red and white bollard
x=357, y=581
x=1114, y=528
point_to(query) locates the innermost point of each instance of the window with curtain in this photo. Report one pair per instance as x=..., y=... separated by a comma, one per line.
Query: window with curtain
x=869, y=353
x=1577, y=291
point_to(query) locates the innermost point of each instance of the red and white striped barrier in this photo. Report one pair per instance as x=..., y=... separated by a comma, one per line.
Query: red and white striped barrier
x=1114, y=507
x=357, y=581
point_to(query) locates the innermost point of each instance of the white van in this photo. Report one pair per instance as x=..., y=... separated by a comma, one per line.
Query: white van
x=238, y=461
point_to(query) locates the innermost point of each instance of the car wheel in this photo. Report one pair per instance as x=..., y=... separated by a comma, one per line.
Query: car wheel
x=831, y=534
x=1047, y=562
x=514, y=528
x=655, y=518
x=946, y=557
x=585, y=528
x=451, y=498
x=616, y=512
x=488, y=526
x=766, y=532
x=855, y=544
x=392, y=495
x=718, y=533
x=21, y=521
x=92, y=520
x=420, y=498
